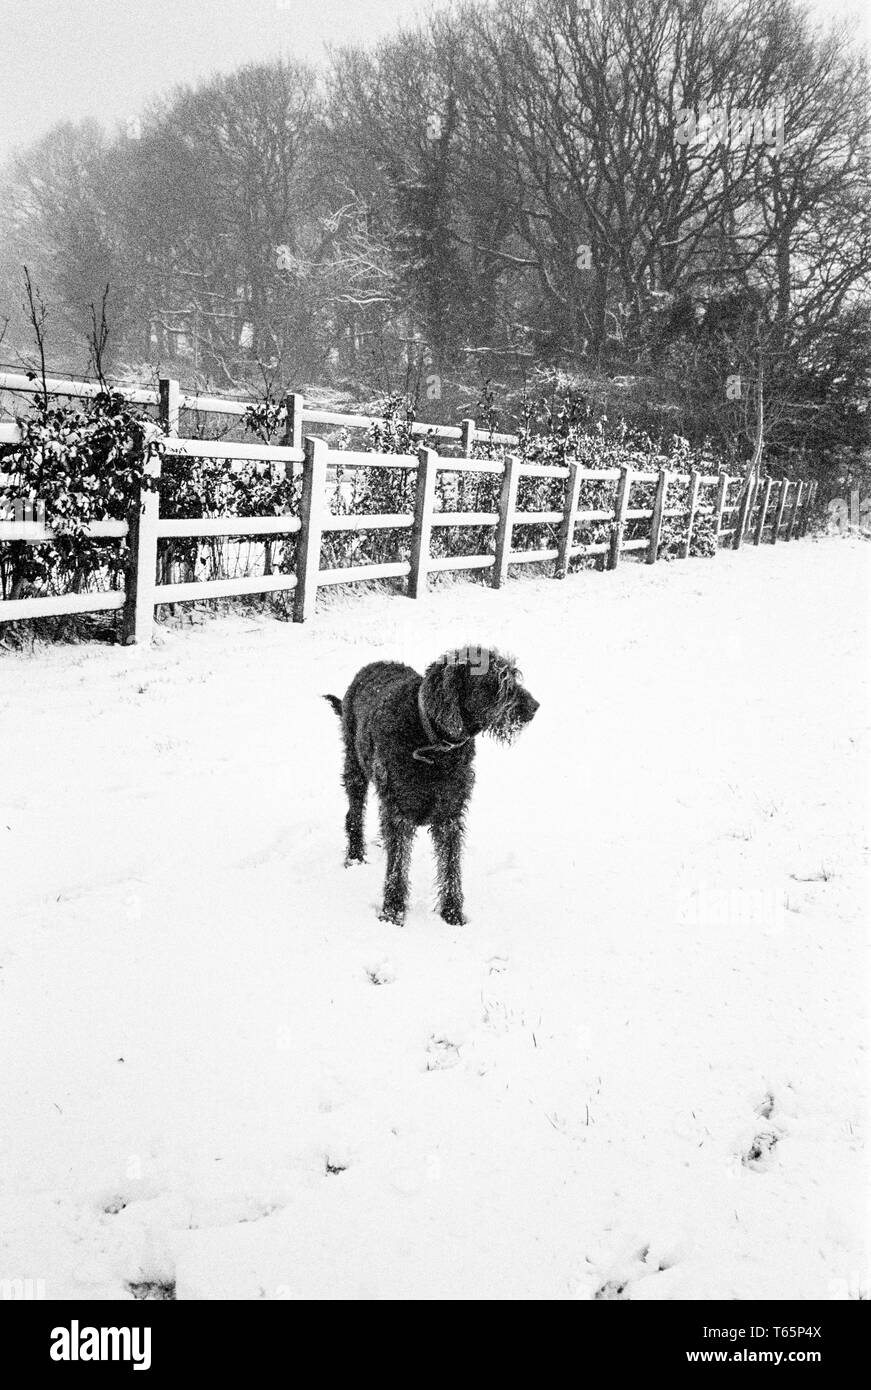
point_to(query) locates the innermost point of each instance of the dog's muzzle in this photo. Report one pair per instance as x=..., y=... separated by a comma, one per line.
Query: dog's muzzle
x=526, y=707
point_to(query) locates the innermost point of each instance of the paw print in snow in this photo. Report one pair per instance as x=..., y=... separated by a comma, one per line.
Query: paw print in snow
x=441, y=1054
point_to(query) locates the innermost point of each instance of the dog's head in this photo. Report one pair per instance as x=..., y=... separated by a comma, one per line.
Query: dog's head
x=475, y=690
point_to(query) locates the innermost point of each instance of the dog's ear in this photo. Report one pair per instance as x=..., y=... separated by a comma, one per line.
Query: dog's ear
x=442, y=694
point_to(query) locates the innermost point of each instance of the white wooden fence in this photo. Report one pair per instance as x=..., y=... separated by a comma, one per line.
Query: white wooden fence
x=776, y=506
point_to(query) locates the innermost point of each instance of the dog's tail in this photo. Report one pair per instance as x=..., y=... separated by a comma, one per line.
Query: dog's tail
x=335, y=702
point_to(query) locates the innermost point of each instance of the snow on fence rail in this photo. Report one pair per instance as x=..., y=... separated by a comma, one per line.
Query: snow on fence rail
x=764, y=505
x=297, y=412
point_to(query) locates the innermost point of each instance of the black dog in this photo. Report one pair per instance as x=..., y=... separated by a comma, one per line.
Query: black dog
x=415, y=738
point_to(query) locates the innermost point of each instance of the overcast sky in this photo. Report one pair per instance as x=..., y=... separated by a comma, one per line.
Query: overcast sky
x=68, y=59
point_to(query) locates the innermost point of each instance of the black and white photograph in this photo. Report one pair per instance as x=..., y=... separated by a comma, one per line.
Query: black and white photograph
x=435, y=670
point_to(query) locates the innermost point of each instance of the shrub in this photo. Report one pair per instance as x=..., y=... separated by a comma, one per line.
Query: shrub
x=77, y=464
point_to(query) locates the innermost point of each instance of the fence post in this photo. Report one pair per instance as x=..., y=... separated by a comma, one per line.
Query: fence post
x=793, y=515
x=744, y=510
x=507, y=507
x=468, y=437
x=169, y=404
x=567, y=527
x=293, y=405
x=695, y=479
x=292, y=439
x=621, y=502
x=763, y=510
x=757, y=485
x=168, y=414
x=778, y=515
x=808, y=503
x=424, y=502
x=141, y=579
x=656, y=519
x=308, y=552
x=722, y=494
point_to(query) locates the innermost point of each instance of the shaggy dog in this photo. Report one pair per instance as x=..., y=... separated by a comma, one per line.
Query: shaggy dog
x=414, y=737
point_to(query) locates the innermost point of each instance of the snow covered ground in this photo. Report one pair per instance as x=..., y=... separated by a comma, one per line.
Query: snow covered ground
x=639, y=1072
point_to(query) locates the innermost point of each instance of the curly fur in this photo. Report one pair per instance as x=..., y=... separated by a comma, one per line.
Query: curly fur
x=466, y=692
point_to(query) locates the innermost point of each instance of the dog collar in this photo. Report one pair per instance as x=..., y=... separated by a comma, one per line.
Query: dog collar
x=435, y=744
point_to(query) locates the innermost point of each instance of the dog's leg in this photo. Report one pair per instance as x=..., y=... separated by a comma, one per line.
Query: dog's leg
x=448, y=838
x=356, y=785
x=398, y=835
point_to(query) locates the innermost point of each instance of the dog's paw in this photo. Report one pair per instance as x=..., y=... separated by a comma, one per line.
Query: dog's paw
x=395, y=916
x=453, y=915
x=352, y=859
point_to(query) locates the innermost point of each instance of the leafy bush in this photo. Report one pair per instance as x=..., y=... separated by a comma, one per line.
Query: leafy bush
x=79, y=464
x=373, y=491
x=193, y=488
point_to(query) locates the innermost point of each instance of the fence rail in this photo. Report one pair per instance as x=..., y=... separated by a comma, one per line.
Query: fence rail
x=776, y=509
x=297, y=412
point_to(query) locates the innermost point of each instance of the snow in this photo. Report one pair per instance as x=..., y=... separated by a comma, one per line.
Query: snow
x=640, y=1071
